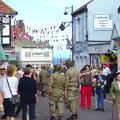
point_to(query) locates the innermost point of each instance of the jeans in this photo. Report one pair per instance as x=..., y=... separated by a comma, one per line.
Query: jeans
x=100, y=100
x=31, y=111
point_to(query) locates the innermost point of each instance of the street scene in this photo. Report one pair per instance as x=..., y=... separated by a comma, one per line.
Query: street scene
x=83, y=114
x=59, y=60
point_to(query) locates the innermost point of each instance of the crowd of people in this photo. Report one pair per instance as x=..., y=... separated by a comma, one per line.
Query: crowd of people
x=20, y=87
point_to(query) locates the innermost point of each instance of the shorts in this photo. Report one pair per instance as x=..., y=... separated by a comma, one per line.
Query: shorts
x=9, y=108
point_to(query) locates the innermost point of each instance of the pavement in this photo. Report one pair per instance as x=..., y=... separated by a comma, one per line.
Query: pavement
x=108, y=97
x=42, y=111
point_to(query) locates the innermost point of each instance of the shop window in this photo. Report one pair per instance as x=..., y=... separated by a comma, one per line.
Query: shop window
x=46, y=54
x=78, y=29
x=27, y=54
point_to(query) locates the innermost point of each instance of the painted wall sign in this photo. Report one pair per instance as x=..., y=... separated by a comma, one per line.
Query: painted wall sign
x=103, y=22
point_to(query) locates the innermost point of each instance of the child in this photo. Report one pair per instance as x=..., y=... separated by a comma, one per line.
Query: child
x=99, y=89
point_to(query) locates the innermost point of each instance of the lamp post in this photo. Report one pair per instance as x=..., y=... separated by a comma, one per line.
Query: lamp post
x=62, y=27
x=66, y=13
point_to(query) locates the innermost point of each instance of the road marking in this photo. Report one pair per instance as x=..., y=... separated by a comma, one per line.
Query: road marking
x=108, y=101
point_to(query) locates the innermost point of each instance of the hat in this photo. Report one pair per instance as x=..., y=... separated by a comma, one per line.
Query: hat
x=57, y=67
x=3, y=67
x=69, y=63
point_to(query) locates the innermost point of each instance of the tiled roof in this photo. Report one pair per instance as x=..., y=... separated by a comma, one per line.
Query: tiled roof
x=20, y=34
x=81, y=9
x=26, y=43
x=6, y=9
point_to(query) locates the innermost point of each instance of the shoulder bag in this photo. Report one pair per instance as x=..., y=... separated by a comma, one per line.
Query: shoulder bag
x=15, y=99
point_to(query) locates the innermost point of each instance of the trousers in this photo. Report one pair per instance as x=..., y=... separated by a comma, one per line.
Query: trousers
x=72, y=100
x=100, y=100
x=31, y=111
x=86, y=93
x=56, y=106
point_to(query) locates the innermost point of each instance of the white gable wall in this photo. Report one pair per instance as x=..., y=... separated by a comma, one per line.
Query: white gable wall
x=102, y=7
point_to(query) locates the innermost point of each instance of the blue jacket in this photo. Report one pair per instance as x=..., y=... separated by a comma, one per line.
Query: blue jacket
x=100, y=86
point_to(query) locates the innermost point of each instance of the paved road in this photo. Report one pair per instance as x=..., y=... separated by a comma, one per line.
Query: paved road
x=42, y=112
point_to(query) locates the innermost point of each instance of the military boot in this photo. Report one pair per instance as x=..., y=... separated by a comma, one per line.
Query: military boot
x=72, y=117
x=52, y=118
x=76, y=116
x=60, y=118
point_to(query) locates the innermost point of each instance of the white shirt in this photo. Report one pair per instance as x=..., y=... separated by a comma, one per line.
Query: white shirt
x=13, y=82
x=1, y=82
x=106, y=71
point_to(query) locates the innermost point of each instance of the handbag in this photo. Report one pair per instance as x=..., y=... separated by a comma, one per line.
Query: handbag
x=15, y=99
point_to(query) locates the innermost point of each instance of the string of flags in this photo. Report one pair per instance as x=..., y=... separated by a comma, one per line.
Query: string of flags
x=44, y=33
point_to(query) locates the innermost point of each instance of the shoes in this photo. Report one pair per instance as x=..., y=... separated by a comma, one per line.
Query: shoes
x=60, y=118
x=100, y=109
x=52, y=118
x=89, y=108
x=97, y=109
x=73, y=117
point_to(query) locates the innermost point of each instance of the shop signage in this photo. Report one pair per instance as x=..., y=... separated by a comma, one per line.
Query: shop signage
x=98, y=49
x=37, y=54
x=103, y=22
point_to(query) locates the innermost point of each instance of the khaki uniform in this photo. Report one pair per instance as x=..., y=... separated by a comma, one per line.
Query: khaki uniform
x=43, y=81
x=58, y=84
x=72, y=91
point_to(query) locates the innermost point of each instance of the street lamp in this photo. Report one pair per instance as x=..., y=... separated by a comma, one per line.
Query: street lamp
x=66, y=13
x=119, y=10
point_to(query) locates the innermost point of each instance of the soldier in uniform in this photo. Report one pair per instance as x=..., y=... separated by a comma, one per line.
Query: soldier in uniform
x=57, y=91
x=72, y=90
x=43, y=77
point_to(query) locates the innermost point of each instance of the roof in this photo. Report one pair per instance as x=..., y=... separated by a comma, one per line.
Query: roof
x=32, y=44
x=20, y=33
x=6, y=9
x=82, y=8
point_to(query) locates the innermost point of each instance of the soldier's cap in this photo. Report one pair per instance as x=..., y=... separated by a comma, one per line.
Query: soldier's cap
x=57, y=67
x=69, y=63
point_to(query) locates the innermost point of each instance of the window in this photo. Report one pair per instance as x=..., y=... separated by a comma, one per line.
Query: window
x=27, y=54
x=46, y=54
x=78, y=29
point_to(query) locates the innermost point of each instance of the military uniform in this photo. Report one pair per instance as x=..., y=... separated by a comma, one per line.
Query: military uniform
x=72, y=90
x=58, y=84
x=43, y=81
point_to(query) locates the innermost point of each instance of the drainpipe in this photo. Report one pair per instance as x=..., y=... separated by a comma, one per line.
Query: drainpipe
x=86, y=25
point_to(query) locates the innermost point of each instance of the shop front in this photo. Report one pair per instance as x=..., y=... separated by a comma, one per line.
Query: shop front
x=104, y=54
x=36, y=56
